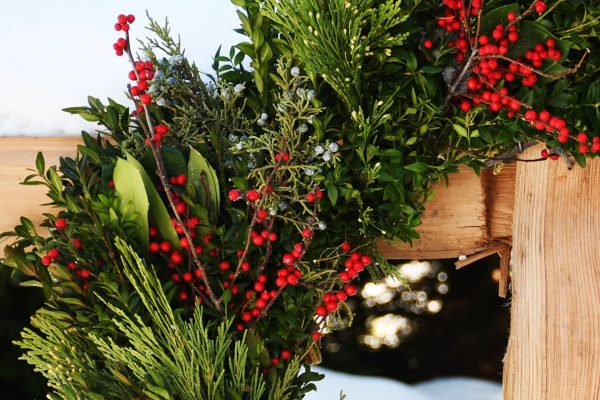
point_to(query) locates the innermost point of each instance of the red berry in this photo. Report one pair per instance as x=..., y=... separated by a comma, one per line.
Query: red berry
x=341, y=295
x=188, y=277
x=513, y=36
x=176, y=257
x=259, y=286
x=252, y=196
x=292, y=279
x=365, y=260
x=224, y=265
x=288, y=259
x=511, y=16
x=332, y=306
x=584, y=148
x=465, y=105
x=345, y=247
x=550, y=42
x=46, y=260
x=582, y=137
x=545, y=153
x=181, y=209
x=544, y=116
x=345, y=276
x=258, y=240
x=285, y=354
x=61, y=223
x=281, y=282
x=53, y=254
x=183, y=296
x=350, y=290
x=321, y=311
x=274, y=361
x=540, y=6
x=84, y=274
x=307, y=233
x=161, y=129
x=117, y=27
x=130, y=18
x=310, y=197
x=146, y=99
x=121, y=18
x=154, y=247
x=181, y=179
x=234, y=195
x=530, y=115
x=427, y=44
x=316, y=336
x=272, y=237
x=261, y=303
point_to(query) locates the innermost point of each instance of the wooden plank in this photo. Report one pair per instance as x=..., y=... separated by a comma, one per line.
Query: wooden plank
x=554, y=346
x=500, y=201
x=462, y=218
x=17, y=154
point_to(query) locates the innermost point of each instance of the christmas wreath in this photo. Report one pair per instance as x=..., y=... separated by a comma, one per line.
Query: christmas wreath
x=205, y=239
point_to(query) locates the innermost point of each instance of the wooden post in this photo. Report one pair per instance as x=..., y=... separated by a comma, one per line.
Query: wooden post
x=554, y=346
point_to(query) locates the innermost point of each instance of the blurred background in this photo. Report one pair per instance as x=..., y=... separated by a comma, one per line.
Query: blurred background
x=448, y=323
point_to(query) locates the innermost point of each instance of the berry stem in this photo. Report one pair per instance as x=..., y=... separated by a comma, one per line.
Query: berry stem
x=566, y=72
x=162, y=175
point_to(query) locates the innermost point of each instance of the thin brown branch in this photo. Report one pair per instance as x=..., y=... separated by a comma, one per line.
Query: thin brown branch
x=162, y=176
x=526, y=13
x=566, y=72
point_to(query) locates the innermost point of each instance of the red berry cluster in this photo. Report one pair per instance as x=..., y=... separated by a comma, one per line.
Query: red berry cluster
x=282, y=156
x=492, y=74
x=122, y=24
x=144, y=72
x=315, y=195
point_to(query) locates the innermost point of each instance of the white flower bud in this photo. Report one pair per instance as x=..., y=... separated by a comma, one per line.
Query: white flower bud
x=319, y=149
x=333, y=147
x=295, y=71
x=327, y=156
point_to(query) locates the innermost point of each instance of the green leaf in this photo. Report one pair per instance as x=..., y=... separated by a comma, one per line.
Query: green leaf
x=55, y=179
x=158, y=210
x=130, y=186
x=202, y=179
x=40, y=163
x=332, y=192
x=417, y=167
x=462, y=132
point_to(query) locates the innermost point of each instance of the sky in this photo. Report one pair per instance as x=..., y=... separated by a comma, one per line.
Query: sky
x=53, y=54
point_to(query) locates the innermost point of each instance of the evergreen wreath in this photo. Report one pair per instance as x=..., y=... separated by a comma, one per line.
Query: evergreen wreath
x=204, y=242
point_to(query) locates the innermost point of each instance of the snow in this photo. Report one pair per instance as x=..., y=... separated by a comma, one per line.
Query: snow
x=357, y=387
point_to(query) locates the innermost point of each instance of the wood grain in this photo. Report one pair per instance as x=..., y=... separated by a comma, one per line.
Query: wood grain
x=554, y=346
x=461, y=219
x=17, y=154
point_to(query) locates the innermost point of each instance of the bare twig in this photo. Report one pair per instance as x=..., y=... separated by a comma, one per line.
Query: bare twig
x=162, y=176
x=566, y=72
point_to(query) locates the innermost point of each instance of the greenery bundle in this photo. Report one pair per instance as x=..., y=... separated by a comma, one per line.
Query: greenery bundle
x=204, y=242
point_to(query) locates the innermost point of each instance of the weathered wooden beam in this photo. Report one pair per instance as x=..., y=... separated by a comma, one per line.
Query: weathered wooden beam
x=554, y=346
x=463, y=218
x=17, y=155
